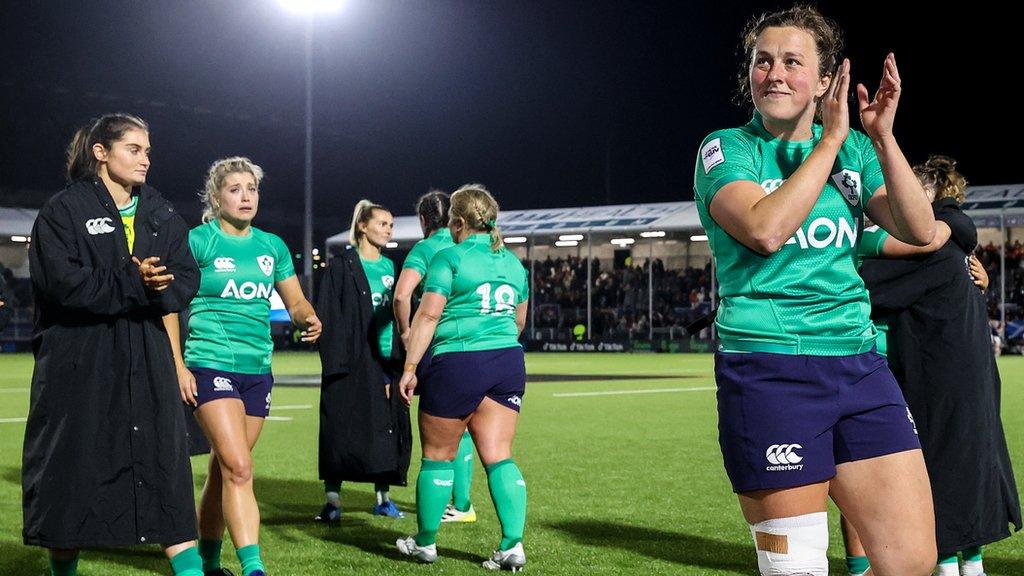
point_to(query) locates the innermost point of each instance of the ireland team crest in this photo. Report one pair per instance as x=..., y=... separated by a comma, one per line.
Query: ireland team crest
x=387, y=281
x=848, y=183
x=266, y=264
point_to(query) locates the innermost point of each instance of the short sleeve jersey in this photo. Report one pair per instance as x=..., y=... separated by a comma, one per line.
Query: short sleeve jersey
x=423, y=252
x=483, y=288
x=381, y=275
x=229, y=322
x=807, y=298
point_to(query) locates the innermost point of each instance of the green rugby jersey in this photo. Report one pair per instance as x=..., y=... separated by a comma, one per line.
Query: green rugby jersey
x=483, y=289
x=128, y=220
x=870, y=246
x=381, y=275
x=423, y=252
x=807, y=298
x=229, y=322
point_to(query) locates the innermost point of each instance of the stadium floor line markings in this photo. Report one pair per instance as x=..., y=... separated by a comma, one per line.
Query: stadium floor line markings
x=624, y=392
x=13, y=420
x=13, y=390
x=292, y=407
x=280, y=418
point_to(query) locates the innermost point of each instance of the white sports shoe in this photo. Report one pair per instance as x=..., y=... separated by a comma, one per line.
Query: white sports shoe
x=408, y=546
x=453, y=514
x=512, y=559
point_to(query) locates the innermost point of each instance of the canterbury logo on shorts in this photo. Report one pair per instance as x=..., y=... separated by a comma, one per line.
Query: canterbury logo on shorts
x=221, y=384
x=783, y=457
x=443, y=483
x=99, y=226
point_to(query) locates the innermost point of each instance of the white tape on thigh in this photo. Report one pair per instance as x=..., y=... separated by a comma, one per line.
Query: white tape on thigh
x=796, y=546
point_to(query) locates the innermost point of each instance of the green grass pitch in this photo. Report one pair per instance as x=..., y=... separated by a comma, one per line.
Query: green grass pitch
x=628, y=482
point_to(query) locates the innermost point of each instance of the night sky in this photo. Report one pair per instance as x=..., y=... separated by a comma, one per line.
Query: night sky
x=554, y=103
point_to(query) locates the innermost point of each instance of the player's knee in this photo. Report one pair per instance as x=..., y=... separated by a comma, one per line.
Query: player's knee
x=236, y=470
x=795, y=546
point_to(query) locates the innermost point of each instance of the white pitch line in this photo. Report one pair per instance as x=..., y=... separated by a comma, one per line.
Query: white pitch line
x=623, y=392
x=292, y=407
x=280, y=418
x=13, y=390
x=12, y=420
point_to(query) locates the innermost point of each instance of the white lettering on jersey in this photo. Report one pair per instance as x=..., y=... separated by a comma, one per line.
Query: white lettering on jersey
x=247, y=291
x=848, y=183
x=822, y=233
x=266, y=264
x=712, y=155
x=224, y=264
x=99, y=226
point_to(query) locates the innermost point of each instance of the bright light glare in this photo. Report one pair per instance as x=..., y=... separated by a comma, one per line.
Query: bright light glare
x=312, y=6
x=391, y=245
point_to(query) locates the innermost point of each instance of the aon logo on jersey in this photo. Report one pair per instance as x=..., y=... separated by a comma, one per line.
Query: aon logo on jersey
x=247, y=291
x=503, y=303
x=825, y=233
x=379, y=299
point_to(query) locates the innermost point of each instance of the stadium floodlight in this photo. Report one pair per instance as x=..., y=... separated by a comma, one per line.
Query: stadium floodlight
x=391, y=245
x=570, y=237
x=567, y=243
x=622, y=241
x=309, y=9
x=653, y=234
x=699, y=238
x=19, y=238
x=515, y=240
x=312, y=6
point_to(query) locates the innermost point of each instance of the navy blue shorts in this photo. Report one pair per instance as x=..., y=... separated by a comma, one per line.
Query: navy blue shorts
x=786, y=421
x=252, y=389
x=457, y=382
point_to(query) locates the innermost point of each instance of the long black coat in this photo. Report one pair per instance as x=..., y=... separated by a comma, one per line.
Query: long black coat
x=364, y=437
x=941, y=354
x=106, y=456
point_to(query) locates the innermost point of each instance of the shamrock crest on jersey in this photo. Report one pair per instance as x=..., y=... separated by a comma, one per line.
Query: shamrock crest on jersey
x=266, y=264
x=848, y=183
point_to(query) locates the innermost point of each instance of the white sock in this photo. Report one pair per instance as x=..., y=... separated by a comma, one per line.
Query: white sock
x=383, y=496
x=334, y=499
x=950, y=569
x=973, y=568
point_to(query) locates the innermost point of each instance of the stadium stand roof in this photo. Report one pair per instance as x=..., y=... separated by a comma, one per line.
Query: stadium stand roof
x=667, y=216
x=16, y=221
x=984, y=203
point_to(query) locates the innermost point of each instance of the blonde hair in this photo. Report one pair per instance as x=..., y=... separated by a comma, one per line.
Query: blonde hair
x=362, y=215
x=939, y=177
x=215, y=178
x=479, y=210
